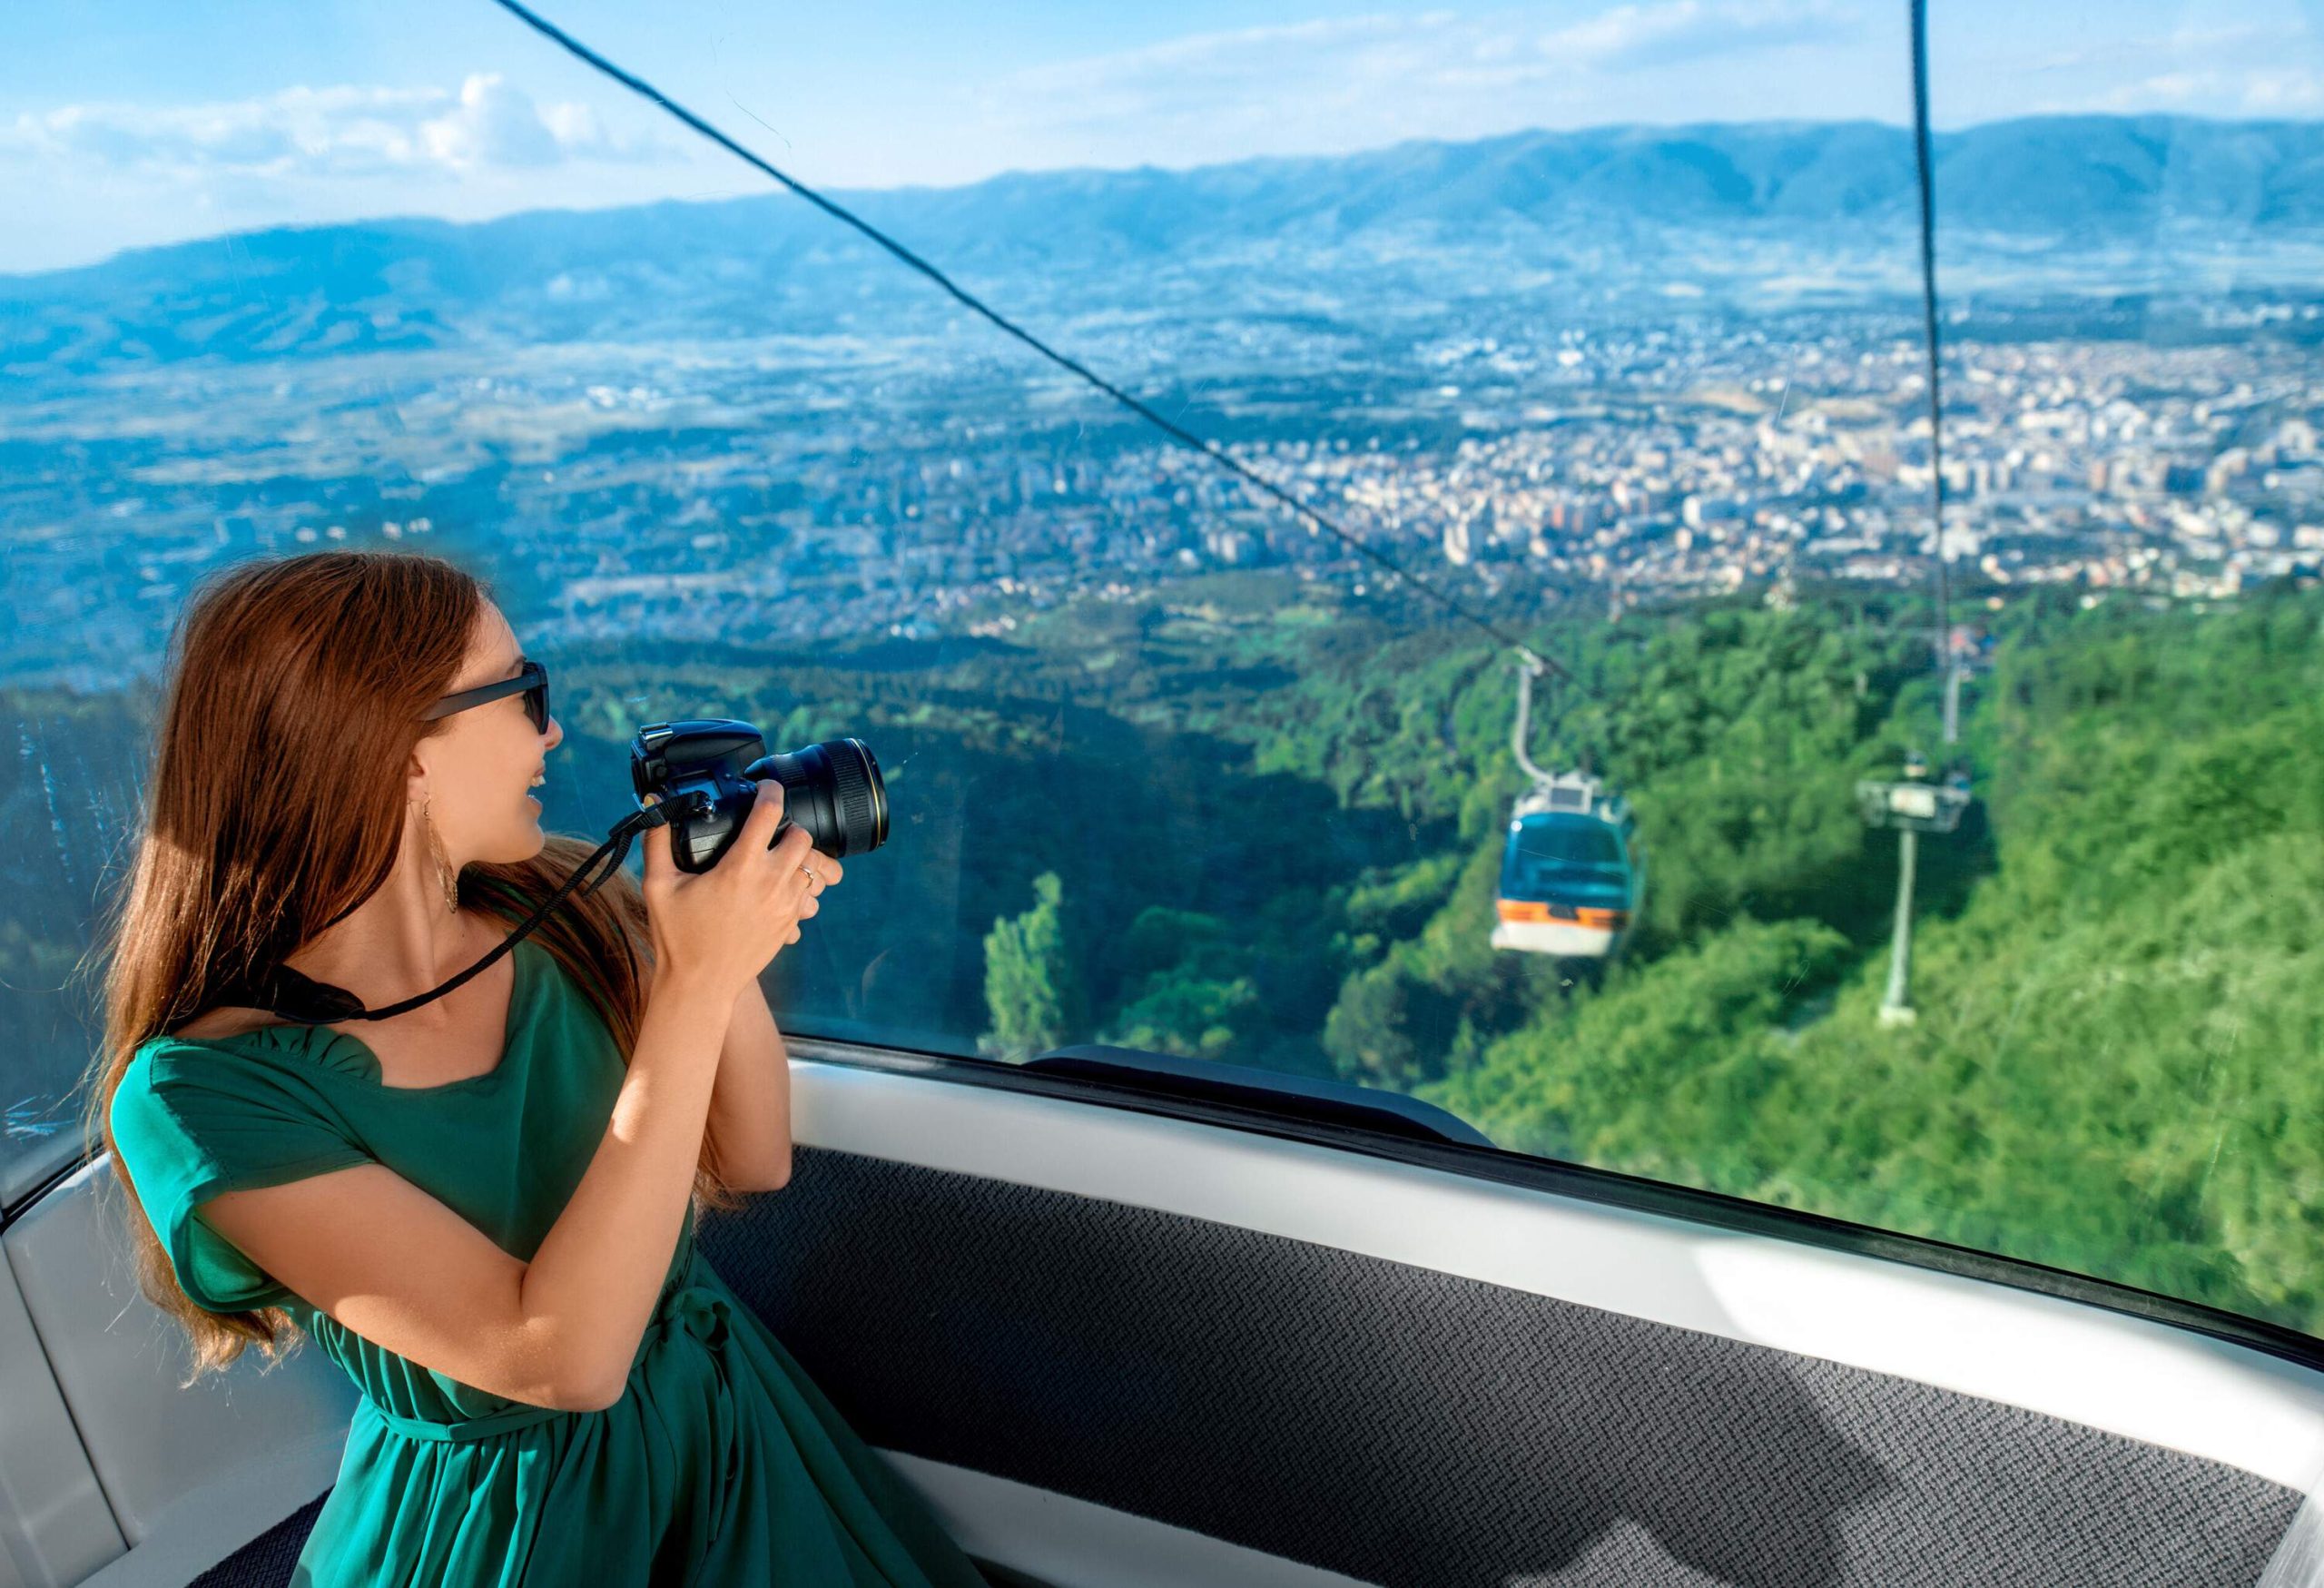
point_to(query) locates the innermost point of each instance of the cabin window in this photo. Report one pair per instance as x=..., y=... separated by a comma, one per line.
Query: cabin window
x=1606, y=327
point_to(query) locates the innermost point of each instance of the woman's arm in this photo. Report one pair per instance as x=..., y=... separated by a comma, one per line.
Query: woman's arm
x=404, y=1270
x=749, y=1106
x=749, y=1127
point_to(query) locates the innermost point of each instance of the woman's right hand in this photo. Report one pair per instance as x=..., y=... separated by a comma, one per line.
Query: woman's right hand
x=725, y=925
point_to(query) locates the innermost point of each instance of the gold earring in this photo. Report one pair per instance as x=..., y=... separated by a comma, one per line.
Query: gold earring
x=448, y=879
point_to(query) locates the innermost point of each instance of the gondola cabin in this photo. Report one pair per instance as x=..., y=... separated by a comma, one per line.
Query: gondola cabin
x=1571, y=876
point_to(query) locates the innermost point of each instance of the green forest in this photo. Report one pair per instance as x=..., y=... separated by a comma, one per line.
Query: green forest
x=1244, y=818
x=1249, y=825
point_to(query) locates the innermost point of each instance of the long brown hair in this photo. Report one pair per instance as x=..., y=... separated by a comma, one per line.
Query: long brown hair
x=274, y=807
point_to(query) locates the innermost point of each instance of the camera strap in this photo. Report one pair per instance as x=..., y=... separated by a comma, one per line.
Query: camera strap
x=304, y=1001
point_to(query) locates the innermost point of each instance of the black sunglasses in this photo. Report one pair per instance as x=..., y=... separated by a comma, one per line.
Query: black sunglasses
x=531, y=680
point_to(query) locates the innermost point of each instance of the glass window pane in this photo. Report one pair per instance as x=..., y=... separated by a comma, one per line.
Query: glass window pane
x=1597, y=329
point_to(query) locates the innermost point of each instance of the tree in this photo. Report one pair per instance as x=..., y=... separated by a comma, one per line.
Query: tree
x=1029, y=986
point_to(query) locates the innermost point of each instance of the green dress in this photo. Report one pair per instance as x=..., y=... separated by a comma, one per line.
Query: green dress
x=722, y=1463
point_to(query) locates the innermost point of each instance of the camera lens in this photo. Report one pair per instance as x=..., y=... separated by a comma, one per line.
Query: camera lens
x=834, y=790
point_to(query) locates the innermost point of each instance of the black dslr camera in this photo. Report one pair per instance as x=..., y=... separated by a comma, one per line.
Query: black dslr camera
x=713, y=767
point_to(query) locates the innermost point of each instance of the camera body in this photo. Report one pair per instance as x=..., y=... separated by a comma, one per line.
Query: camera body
x=713, y=765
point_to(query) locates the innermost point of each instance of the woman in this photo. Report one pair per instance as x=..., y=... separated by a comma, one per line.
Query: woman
x=481, y=1208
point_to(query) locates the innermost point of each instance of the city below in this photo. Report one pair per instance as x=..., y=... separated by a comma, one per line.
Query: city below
x=1690, y=416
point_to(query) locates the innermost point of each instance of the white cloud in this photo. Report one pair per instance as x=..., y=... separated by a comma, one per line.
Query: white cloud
x=1201, y=70
x=1438, y=47
x=1376, y=77
x=2290, y=92
x=338, y=133
x=1436, y=67
x=2264, y=65
x=2103, y=57
x=2259, y=91
x=1365, y=81
x=1679, y=30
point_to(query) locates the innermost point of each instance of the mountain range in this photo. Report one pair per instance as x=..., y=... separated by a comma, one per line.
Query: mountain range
x=1598, y=203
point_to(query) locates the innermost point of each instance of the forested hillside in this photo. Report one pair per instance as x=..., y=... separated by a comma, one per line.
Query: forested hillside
x=2116, y=1068
x=2120, y=973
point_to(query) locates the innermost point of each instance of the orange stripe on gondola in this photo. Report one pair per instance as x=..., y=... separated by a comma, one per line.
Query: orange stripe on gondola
x=1531, y=912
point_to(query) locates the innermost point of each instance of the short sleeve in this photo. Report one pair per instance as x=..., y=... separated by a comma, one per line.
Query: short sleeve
x=189, y=1124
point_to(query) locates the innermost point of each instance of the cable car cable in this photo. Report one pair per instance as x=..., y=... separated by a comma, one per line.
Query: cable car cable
x=1924, y=169
x=1185, y=437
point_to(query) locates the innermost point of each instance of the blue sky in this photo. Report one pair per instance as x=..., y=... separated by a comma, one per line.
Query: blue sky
x=150, y=120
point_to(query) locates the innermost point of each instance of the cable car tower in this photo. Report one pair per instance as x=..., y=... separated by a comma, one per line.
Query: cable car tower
x=1572, y=876
x=1914, y=806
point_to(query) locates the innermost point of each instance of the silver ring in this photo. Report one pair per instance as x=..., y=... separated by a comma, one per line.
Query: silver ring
x=810, y=874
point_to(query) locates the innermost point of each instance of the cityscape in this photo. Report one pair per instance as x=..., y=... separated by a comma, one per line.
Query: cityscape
x=879, y=489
